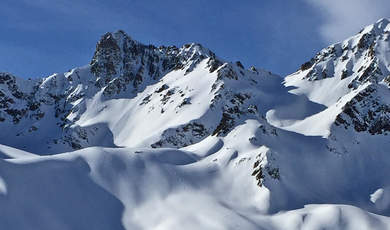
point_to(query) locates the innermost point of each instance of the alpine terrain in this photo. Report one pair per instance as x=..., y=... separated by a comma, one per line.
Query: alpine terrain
x=147, y=137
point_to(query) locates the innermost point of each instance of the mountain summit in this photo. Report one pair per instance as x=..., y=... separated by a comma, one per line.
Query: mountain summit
x=149, y=137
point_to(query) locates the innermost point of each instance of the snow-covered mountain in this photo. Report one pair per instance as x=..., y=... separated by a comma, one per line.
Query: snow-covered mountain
x=131, y=95
x=149, y=137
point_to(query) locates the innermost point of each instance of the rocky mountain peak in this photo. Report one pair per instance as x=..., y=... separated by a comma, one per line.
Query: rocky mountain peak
x=361, y=58
x=120, y=61
x=114, y=40
x=195, y=49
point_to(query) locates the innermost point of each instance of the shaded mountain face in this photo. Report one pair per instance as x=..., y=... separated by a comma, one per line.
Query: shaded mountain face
x=242, y=142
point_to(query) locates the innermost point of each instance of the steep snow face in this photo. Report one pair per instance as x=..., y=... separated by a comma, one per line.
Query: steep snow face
x=151, y=137
x=171, y=102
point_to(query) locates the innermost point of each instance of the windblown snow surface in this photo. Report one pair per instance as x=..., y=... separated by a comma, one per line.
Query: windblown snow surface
x=151, y=137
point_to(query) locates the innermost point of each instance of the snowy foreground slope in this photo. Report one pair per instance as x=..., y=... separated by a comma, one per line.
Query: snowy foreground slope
x=151, y=137
x=102, y=188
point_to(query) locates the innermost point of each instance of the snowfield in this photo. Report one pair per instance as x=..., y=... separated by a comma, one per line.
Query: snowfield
x=151, y=137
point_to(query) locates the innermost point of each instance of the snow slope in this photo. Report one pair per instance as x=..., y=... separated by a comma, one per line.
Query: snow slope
x=151, y=189
x=149, y=137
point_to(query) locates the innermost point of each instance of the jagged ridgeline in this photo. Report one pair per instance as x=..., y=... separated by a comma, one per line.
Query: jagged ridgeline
x=159, y=82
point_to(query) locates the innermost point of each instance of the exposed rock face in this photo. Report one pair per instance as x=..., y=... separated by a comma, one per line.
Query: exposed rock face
x=367, y=111
x=120, y=62
x=264, y=168
x=15, y=104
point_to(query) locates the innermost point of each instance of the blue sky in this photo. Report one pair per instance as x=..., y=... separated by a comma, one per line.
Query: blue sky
x=41, y=37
